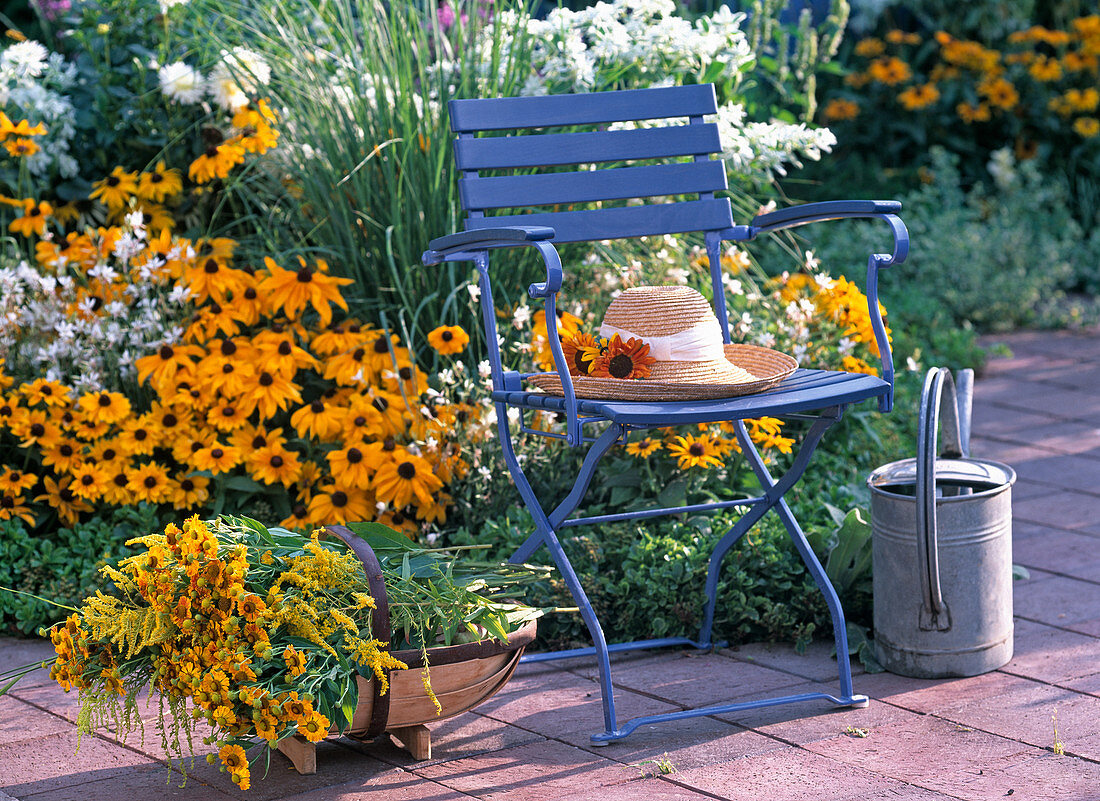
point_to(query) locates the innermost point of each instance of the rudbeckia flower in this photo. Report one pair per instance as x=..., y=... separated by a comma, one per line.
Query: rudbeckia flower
x=212, y=278
x=137, y=437
x=89, y=481
x=15, y=482
x=692, y=451
x=292, y=291
x=159, y=183
x=189, y=492
x=351, y=466
x=318, y=420
x=33, y=220
x=63, y=456
x=580, y=351
x=274, y=465
x=399, y=481
x=12, y=506
x=271, y=393
x=59, y=496
x=216, y=459
x=50, y=393
x=448, y=339
x=116, y=189
x=624, y=360
x=227, y=415
x=216, y=162
x=643, y=447
x=149, y=482
x=340, y=506
x=18, y=148
x=104, y=407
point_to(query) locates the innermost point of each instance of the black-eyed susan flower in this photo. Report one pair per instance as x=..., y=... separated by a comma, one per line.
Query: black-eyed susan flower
x=63, y=500
x=215, y=162
x=216, y=459
x=214, y=278
x=299, y=517
x=159, y=183
x=318, y=420
x=137, y=437
x=89, y=481
x=271, y=393
x=16, y=482
x=351, y=367
x=624, y=360
x=21, y=147
x=189, y=492
x=448, y=339
x=350, y=466
x=293, y=291
x=338, y=504
x=12, y=506
x=64, y=455
x=149, y=482
x=581, y=351
x=21, y=128
x=889, y=70
x=274, y=464
x=392, y=408
x=36, y=427
x=116, y=189
x=104, y=407
x=406, y=478
x=33, y=219
x=918, y=97
x=227, y=415
x=47, y=393
x=341, y=337
x=646, y=446
x=694, y=451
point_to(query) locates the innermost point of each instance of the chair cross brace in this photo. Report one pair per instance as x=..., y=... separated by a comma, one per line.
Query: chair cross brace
x=547, y=526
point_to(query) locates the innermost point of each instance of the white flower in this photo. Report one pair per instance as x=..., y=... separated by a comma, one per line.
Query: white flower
x=239, y=71
x=484, y=369
x=475, y=292
x=181, y=83
x=24, y=59
x=522, y=316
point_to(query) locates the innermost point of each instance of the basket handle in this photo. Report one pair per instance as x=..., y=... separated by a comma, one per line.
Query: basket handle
x=934, y=614
x=379, y=620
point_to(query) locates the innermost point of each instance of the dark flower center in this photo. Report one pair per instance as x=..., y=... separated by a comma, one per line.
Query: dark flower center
x=227, y=369
x=406, y=373
x=250, y=293
x=141, y=434
x=355, y=455
x=305, y=275
x=229, y=411
x=285, y=348
x=109, y=454
x=217, y=453
x=317, y=407
x=266, y=379
x=87, y=480
x=462, y=416
x=229, y=347
x=166, y=352
x=210, y=267
x=447, y=336
x=620, y=366
x=119, y=479
x=169, y=420
x=156, y=178
x=187, y=485
x=258, y=441
x=697, y=449
x=354, y=329
x=358, y=354
x=339, y=498
x=299, y=510
x=196, y=447
x=360, y=421
x=105, y=400
x=381, y=404
x=66, y=450
x=381, y=345
x=277, y=460
x=150, y=482
x=38, y=430
x=389, y=444
x=407, y=471
x=47, y=390
x=113, y=180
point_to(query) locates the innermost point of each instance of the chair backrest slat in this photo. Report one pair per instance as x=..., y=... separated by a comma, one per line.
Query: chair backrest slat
x=549, y=111
x=511, y=152
x=518, y=191
x=622, y=223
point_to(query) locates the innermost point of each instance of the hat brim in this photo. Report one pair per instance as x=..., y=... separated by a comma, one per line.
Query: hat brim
x=748, y=369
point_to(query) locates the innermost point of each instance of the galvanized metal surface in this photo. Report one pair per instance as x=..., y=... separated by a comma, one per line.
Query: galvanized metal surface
x=942, y=549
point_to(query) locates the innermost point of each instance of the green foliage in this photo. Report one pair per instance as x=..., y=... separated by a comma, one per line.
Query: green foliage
x=63, y=567
x=973, y=261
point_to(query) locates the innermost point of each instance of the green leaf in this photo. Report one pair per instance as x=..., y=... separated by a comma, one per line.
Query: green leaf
x=244, y=484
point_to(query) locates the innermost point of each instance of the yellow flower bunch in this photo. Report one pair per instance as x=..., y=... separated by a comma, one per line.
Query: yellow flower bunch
x=203, y=617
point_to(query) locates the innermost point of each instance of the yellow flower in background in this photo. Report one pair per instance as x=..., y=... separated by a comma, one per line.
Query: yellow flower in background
x=889, y=70
x=216, y=162
x=1087, y=127
x=116, y=189
x=33, y=219
x=918, y=97
x=646, y=446
x=293, y=291
x=159, y=183
x=105, y=407
x=21, y=129
x=1000, y=93
x=12, y=506
x=840, y=109
x=870, y=47
x=970, y=114
x=18, y=148
x=448, y=339
x=402, y=480
x=1045, y=69
x=901, y=37
x=1083, y=99
x=694, y=451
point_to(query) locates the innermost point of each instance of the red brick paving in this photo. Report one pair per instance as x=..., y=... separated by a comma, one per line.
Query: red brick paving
x=978, y=738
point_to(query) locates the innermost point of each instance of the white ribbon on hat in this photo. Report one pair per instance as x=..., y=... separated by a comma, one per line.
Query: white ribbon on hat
x=700, y=343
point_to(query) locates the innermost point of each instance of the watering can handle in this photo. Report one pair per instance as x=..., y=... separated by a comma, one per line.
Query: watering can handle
x=934, y=615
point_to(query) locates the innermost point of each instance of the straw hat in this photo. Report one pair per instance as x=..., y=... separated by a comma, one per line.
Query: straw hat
x=685, y=338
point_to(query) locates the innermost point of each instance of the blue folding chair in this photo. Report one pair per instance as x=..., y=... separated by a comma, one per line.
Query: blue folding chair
x=818, y=396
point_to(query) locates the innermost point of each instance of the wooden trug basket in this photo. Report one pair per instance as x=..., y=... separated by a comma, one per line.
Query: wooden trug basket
x=462, y=676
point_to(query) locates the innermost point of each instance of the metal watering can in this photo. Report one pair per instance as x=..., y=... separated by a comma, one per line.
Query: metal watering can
x=942, y=547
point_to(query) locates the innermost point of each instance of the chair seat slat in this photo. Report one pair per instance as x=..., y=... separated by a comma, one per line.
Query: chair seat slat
x=622, y=223
x=515, y=191
x=538, y=150
x=806, y=390
x=550, y=111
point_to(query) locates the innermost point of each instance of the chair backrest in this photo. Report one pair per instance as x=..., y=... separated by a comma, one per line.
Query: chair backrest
x=484, y=197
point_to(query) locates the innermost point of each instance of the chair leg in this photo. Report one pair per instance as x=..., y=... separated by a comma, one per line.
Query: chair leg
x=798, y=537
x=545, y=535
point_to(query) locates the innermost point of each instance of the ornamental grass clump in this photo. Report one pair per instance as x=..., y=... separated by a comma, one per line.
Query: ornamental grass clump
x=261, y=632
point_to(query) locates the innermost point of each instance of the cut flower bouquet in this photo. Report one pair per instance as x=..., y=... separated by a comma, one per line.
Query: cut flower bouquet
x=261, y=632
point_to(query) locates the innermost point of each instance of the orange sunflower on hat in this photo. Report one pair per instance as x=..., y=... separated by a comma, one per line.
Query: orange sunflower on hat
x=623, y=360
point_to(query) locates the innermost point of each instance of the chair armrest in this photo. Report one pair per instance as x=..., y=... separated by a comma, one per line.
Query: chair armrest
x=828, y=210
x=483, y=239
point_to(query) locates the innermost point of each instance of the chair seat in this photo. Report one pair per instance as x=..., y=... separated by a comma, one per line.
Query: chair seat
x=803, y=391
